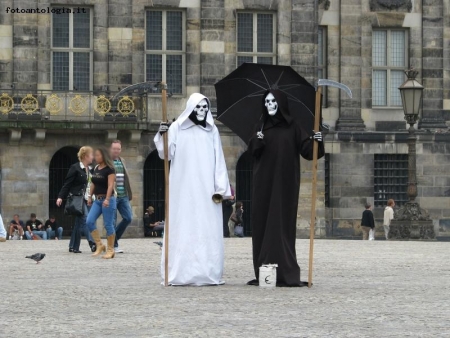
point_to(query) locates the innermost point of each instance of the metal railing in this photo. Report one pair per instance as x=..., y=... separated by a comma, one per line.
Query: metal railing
x=72, y=106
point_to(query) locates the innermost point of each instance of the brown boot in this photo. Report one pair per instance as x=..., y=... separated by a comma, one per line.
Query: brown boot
x=110, y=251
x=98, y=243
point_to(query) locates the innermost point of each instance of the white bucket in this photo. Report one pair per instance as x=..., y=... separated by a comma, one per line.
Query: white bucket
x=268, y=276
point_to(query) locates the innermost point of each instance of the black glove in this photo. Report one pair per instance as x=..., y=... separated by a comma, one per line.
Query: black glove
x=317, y=136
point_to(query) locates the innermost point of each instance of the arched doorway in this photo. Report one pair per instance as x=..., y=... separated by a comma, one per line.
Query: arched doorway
x=59, y=166
x=244, y=186
x=154, y=192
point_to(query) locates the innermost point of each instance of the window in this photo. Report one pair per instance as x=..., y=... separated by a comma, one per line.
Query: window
x=256, y=36
x=165, y=48
x=322, y=60
x=72, y=50
x=390, y=178
x=389, y=60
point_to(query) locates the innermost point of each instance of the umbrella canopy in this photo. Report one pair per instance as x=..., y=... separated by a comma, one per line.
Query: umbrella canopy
x=240, y=97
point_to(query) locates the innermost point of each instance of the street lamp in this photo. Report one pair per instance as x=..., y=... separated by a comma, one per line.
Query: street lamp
x=411, y=221
x=411, y=92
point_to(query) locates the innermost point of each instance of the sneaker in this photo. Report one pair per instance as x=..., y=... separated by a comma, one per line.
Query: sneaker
x=21, y=237
x=118, y=250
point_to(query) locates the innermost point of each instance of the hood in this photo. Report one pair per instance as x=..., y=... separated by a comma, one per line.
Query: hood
x=193, y=100
x=283, y=105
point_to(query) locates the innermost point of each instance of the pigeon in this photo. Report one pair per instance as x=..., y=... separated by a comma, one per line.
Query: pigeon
x=37, y=257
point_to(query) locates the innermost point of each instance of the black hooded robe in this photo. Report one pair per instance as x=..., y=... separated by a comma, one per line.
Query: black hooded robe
x=276, y=186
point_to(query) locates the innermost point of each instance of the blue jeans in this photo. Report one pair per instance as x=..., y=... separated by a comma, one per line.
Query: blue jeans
x=51, y=233
x=124, y=208
x=98, y=209
x=41, y=234
x=78, y=228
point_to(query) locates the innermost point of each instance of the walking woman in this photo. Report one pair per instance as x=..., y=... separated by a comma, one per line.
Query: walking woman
x=102, y=186
x=76, y=183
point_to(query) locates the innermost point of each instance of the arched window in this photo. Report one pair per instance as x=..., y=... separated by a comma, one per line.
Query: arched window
x=59, y=166
x=244, y=186
x=154, y=185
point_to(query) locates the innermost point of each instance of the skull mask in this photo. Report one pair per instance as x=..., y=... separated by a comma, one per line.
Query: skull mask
x=201, y=109
x=271, y=104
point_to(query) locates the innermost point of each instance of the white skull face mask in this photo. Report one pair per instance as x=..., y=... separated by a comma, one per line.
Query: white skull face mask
x=201, y=109
x=271, y=104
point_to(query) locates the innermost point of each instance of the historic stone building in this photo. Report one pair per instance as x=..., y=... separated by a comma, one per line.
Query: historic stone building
x=62, y=62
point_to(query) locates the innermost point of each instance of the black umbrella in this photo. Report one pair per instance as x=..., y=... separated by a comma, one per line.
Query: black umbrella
x=240, y=100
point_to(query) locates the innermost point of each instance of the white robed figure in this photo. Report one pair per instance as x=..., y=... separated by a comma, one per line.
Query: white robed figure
x=197, y=172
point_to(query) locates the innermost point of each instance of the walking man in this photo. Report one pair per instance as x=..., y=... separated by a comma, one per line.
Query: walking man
x=367, y=222
x=124, y=194
x=388, y=216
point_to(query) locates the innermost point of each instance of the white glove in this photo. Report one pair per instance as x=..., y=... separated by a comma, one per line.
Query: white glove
x=163, y=127
x=260, y=135
x=317, y=136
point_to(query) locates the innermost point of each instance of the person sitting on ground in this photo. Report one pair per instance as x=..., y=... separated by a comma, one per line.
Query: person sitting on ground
x=53, y=229
x=149, y=222
x=16, y=225
x=2, y=230
x=367, y=221
x=35, y=228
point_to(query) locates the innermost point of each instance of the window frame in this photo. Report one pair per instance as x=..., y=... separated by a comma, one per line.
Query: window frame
x=396, y=165
x=324, y=65
x=72, y=50
x=164, y=52
x=255, y=54
x=388, y=68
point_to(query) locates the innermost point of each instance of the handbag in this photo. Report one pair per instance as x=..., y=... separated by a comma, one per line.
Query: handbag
x=372, y=234
x=74, y=205
x=239, y=231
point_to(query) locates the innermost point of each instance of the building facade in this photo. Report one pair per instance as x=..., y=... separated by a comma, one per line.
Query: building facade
x=62, y=62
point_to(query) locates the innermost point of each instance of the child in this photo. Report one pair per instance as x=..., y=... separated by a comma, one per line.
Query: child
x=367, y=222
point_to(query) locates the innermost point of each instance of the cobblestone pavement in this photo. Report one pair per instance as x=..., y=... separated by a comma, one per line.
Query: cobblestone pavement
x=361, y=289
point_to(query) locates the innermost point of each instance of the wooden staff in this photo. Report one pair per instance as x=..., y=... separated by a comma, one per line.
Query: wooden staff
x=314, y=184
x=166, y=179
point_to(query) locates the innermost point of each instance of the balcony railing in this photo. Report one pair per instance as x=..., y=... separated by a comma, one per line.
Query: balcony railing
x=72, y=106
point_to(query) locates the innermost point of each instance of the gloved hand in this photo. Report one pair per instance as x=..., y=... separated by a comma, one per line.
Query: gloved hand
x=317, y=136
x=163, y=127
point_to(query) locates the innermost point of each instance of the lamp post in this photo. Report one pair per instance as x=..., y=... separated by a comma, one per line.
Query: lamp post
x=411, y=221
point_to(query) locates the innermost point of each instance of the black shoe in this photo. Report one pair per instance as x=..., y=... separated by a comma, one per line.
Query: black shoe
x=76, y=251
x=253, y=282
x=70, y=250
x=92, y=246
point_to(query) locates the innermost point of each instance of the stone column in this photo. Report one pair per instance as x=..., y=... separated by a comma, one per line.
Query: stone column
x=432, y=64
x=446, y=93
x=192, y=47
x=303, y=38
x=284, y=32
x=100, y=42
x=350, y=66
x=212, y=46
x=120, y=35
x=6, y=45
x=25, y=43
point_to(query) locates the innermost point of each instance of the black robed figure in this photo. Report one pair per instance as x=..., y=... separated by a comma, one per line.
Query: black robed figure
x=276, y=146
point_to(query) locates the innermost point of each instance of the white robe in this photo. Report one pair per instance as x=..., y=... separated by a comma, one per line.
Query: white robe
x=2, y=228
x=197, y=172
